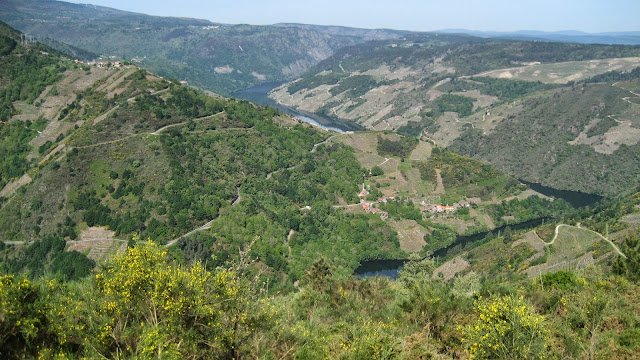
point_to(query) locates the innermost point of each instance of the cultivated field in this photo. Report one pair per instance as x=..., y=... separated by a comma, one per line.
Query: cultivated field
x=97, y=243
x=561, y=73
x=572, y=248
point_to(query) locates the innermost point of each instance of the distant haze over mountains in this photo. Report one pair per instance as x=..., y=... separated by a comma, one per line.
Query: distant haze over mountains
x=617, y=38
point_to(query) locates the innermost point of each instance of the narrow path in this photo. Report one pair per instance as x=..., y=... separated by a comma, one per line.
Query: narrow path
x=18, y=242
x=157, y=132
x=291, y=233
x=94, y=240
x=313, y=149
x=203, y=227
x=384, y=162
x=555, y=236
x=105, y=114
x=425, y=136
x=347, y=206
x=108, y=142
x=439, y=186
x=620, y=87
x=277, y=171
x=238, y=198
x=325, y=141
x=619, y=121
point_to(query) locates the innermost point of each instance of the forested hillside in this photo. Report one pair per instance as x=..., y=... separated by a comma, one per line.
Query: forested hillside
x=583, y=137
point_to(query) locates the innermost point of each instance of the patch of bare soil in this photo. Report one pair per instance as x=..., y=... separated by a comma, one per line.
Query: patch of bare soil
x=461, y=226
x=51, y=153
x=450, y=127
x=440, y=186
x=422, y=152
x=563, y=72
x=571, y=264
x=534, y=242
x=607, y=143
x=451, y=268
x=113, y=78
x=482, y=100
x=96, y=233
x=98, y=242
x=632, y=219
x=488, y=221
x=365, y=142
x=11, y=187
x=410, y=234
x=527, y=193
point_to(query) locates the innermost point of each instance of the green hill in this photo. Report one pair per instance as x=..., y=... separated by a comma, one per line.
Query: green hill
x=144, y=157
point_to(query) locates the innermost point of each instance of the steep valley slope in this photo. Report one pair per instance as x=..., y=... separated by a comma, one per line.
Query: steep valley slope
x=514, y=104
x=102, y=155
x=218, y=57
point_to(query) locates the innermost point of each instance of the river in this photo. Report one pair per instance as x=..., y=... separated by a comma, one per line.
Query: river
x=390, y=268
x=575, y=198
x=259, y=94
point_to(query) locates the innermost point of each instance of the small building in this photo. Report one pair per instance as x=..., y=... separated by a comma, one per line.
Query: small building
x=461, y=204
x=438, y=209
x=364, y=192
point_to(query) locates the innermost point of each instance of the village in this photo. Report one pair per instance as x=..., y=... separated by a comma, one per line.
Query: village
x=101, y=64
x=371, y=207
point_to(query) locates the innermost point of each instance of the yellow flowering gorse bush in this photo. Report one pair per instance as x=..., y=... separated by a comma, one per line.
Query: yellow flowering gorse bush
x=506, y=328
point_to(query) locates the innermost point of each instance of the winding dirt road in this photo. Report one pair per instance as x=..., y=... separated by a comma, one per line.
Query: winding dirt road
x=581, y=228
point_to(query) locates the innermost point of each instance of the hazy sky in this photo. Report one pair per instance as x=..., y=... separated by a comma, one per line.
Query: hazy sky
x=417, y=15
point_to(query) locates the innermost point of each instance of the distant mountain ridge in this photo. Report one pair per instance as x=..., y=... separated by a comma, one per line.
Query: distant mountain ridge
x=217, y=57
x=574, y=36
x=220, y=57
x=366, y=34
